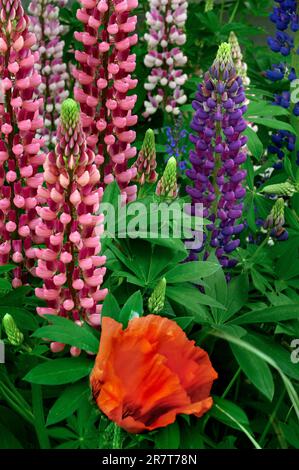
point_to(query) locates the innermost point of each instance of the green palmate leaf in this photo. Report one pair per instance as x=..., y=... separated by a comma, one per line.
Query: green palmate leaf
x=271, y=314
x=68, y=402
x=68, y=332
x=256, y=370
x=191, y=272
x=237, y=294
x=110, y=307
x=132, y=308
x=168, y=438
x=60, y=371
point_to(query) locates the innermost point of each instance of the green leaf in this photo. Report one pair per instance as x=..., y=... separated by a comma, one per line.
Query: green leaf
x=168, y=437
x=8, y=440
x=183, y=322
x=272, y=123
x=191, y=297
x=257, y=371
x=254, y=143
x=191, y=272
x=68, y=402
x=110, y=307
x=60, y=371
x=24, y=319
x=271, y=314
x=7, y=268
x=68, y=332
x=132, y=306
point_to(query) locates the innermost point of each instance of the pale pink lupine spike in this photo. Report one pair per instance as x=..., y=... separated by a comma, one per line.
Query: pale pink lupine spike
x=166, y=24
x=105, y=78
x=44, y=22
x=69, y=264
x=20, y=156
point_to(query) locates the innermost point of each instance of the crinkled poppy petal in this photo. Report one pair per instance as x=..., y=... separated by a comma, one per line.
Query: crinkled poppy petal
x=191, y=363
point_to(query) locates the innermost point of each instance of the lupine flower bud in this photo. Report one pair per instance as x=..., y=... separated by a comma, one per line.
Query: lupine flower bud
x=219, y=151
x=105, y=77
x=281, y=189
x=167, y=185
x=146, y=162
x=240, y=65
x=166, y=35
x=70, y=264
x=14, y=335
x=276, y=217
x=20, y=156
x=209, y=5
x=44, y=22
x=157, y=299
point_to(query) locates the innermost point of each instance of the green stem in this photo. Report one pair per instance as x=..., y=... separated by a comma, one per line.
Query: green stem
x=226, y=391
x=39, y=418
x=222, y=11
x=271, y=419
x=234, y=12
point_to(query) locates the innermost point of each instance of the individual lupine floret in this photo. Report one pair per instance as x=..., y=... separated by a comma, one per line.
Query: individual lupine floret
x=167, y=186
x=20, y=156
x=237, y=56
x=44, y=22
x=219, y=151
x=105, y=78
x=146, y=162
x=166, y=20
x=70, y=265
x=157, y=299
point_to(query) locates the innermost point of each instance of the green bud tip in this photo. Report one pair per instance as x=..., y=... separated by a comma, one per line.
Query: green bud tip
x=14, y=335
x=209, y=5
x=149, y=146
x=70, y=113
x=224, y=56
x=157, y=299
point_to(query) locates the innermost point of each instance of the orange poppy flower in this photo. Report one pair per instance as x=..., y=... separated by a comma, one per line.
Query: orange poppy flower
x=147, y=374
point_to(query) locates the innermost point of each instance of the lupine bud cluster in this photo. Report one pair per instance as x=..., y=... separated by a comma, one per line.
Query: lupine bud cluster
x=209, y=6
x=166, y=20
x=286, y=19
x=146, y=162
x=14, y=335
x=105, y=79
x=44, y=22
x=275, y=221
x=157, y=299
x=237, y=56
x=167, y=186
x=219, y=151
x=20, y=155
x=281, y=189
x=70, y=264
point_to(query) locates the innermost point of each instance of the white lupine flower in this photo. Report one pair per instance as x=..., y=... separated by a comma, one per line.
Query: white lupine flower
x=166, y=23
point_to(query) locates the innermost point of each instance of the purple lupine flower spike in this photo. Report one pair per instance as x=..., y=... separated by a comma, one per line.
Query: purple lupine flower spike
x=220, y=150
